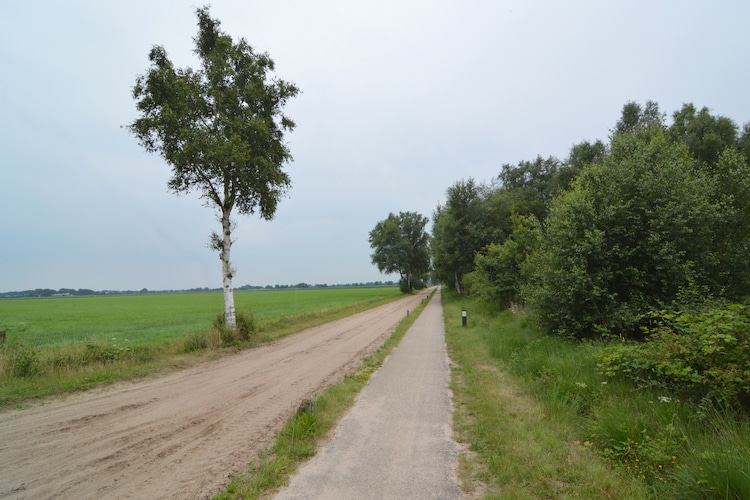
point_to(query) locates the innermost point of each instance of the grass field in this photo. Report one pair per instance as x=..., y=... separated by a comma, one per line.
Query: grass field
x=148, y=319
x=65, y=344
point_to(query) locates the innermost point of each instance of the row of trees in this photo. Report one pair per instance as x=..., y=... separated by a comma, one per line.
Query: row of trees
x=655, y=218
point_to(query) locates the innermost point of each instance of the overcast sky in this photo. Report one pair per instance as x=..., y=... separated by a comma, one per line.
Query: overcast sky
x=400, y=99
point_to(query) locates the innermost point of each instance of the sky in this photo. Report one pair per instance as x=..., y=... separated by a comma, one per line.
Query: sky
x=400, y=99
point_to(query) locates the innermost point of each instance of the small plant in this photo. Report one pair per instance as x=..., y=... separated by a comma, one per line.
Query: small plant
x=25, y=359
x=104, y=352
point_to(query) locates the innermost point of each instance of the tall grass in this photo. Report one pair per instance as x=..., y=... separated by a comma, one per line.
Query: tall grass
x=518, y=446
x=664, y=447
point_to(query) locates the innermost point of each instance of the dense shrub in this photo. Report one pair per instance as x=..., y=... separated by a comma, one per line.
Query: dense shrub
x=702, y=356
x=246, y=328
x=632, y=235
x=498, y=271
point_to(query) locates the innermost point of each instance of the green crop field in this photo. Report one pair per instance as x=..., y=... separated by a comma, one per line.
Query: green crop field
x=148, y=319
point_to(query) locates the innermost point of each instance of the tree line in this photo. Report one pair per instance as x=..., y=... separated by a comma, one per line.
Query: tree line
x=644, y=233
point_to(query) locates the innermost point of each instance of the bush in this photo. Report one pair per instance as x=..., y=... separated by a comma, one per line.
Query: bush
x=245, y=330
x=629, y=237
x=704, y=356
x=25, y=359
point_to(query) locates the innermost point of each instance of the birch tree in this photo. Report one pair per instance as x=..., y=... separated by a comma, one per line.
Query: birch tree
x=221, y=129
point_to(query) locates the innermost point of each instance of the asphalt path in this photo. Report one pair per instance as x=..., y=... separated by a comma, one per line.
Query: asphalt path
x=395, y=443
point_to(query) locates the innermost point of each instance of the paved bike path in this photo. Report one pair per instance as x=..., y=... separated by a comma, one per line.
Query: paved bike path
x=396, y=441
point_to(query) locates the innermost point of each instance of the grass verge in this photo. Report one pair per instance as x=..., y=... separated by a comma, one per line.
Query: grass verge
x=517, y=445
x=297, y=441
x=539, y=420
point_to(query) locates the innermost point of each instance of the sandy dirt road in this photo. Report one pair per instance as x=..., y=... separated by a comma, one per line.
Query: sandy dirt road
x=180, y=436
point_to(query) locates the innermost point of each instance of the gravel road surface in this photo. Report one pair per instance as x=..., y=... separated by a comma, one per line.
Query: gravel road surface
x=396, y=442
x=180, y=436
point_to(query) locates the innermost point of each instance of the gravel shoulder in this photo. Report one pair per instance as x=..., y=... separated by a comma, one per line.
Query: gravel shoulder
x=182, y=435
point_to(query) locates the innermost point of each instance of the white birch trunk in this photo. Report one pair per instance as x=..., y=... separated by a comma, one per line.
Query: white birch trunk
x=230, y=320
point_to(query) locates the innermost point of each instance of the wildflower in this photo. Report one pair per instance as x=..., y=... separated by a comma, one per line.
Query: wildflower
x=664, y=399
x=604, y=383
x=581, y=384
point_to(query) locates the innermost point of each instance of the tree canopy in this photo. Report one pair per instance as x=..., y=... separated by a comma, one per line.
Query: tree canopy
x=401, y=245
x=654, y=218
x=221, y=129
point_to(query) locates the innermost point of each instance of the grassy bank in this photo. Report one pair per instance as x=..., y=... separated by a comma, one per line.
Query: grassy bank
x=60, y=345
x=540, y=421
x=302, y=433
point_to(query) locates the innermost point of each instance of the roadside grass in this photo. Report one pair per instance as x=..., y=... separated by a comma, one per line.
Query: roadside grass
x=540, y=421
x=298, y=440
x=518, y=443
x=155, y=333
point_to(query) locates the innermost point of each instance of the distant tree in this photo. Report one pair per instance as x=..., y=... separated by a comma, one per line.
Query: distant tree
x=221, y=128
x=401, y=245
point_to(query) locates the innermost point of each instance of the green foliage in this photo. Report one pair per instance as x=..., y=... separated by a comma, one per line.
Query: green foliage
x=581, y=156
x=105, y=352
x=630, y=236
x=719, y=466
x=532, y=184
x=221, y=126
x=634, y=117
x=401, y=245
x=706, y=136
x=702, y=356
x=196, y=341
x=24, y=359
x=523, y=401
x=641, y=437
x=498, y=271
x=245, y=329
x=461, y=228
x=678, y=448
